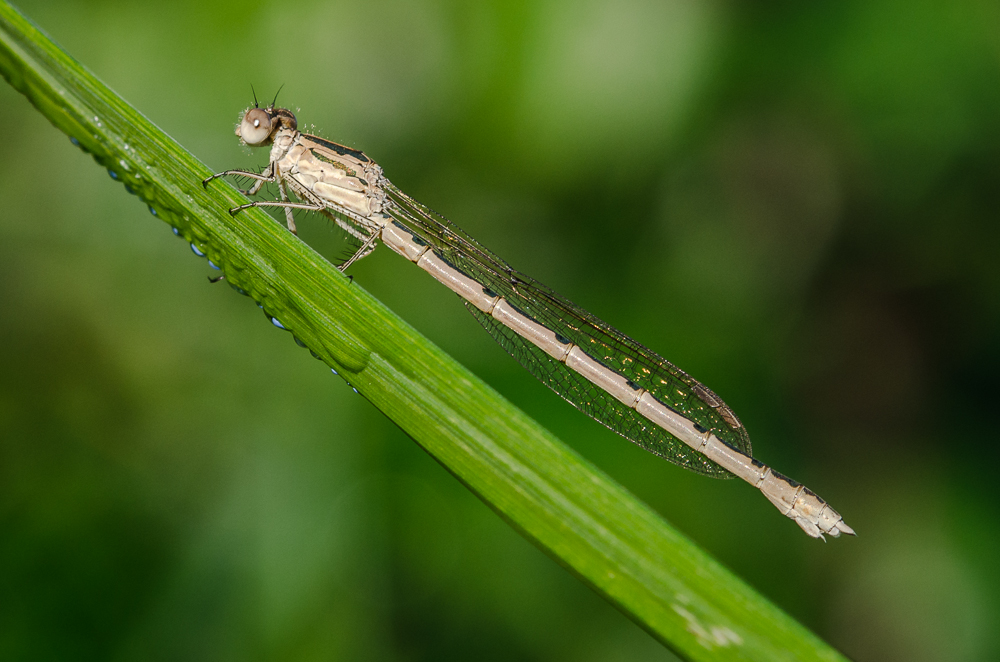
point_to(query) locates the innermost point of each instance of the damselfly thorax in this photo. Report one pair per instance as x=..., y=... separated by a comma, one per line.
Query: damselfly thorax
x=601, y=371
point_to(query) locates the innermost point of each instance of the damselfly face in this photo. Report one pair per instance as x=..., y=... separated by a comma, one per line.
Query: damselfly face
x=260, y=124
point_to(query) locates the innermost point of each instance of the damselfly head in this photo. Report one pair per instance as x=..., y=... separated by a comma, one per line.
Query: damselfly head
x=259, y=124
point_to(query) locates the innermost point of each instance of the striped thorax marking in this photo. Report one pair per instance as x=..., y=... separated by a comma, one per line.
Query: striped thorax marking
x=649, y=401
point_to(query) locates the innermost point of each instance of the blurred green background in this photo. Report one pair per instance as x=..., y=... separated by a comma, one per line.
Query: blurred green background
x=795, y=204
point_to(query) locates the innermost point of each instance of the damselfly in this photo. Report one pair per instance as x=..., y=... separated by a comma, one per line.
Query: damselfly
x=598, y=369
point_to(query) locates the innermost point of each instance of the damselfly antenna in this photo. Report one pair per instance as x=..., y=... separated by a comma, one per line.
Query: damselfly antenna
x=255, y=104
x=276, y=95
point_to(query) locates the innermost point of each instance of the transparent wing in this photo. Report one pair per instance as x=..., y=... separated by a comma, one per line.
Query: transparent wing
x=595, y=402
x=663, y=380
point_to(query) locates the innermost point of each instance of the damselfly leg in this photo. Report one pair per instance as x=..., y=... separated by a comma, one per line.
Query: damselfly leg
x=365, y=250
x=262, y=178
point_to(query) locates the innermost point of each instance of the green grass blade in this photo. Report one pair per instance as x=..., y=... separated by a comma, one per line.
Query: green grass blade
x=573, y=512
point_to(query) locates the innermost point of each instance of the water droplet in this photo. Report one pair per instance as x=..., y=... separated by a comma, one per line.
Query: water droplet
x=214, y=265
x=114, y=175
x=298, y=342
x=175, y=230
x=196, y=251
x=123, y=164
x=332, y=370
x=74, y=141
x=274, y=321
x=126, y=147
x=317, y=357
x=129, y=189
x=355, y=390
x=240, y=290
x=153, y=212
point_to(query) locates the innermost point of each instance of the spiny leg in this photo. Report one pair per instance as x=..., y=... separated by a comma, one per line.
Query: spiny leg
x=275, y=203
x=252, y=191
x=365, y=249
x=266, y=176
x=288, y=212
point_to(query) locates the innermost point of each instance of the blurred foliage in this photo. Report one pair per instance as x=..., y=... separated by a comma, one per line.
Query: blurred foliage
x=796, y=204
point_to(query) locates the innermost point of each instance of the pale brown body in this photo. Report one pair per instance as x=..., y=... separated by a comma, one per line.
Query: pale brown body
x=349, y=188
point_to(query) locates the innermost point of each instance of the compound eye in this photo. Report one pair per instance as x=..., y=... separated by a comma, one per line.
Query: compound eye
x=255, y=128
